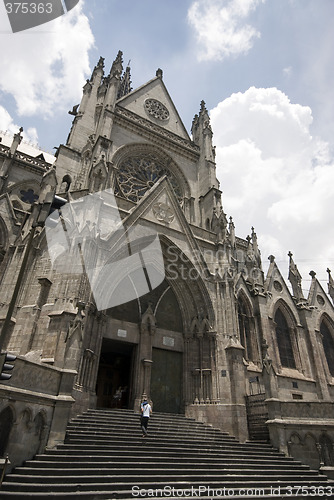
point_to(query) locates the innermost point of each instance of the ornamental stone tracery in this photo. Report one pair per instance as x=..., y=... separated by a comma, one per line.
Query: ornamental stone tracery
x=137, y=174
x=156, y=109
x=163, y=212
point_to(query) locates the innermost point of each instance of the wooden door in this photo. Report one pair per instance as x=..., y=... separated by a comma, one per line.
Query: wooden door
x=166, y=381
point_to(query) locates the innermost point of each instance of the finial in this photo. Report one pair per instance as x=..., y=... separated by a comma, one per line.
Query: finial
x=290, y=254
x=159, y=73
x=295, y=279
x=271, y=258
x=117, y=65
x=100, y=64
x=125, y=86
x=312, y=274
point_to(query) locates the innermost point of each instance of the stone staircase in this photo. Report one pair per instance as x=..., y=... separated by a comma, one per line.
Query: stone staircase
x=105, y=457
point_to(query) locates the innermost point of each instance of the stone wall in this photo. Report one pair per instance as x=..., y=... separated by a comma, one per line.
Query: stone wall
x=303, y=430
x=35, y=405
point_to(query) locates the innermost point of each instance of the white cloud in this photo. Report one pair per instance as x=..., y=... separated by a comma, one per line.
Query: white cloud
x=44, y=68
x=221, y=27
x=8, y=126
x=276, y=176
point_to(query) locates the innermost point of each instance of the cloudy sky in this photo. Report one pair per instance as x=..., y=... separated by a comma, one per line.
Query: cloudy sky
x=265, y=69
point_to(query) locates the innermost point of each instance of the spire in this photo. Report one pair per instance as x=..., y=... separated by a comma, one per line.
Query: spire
x=125, y=85
x=295, y=279
x=100, y=63
x=110, y=89
x=202, y=133
x=97, y=74
x=231, y=228
x=204, y=117
x=84, y=115
x=330, y=285
x=194, y=129
x=98, y=67
x=117, y=66
x=256, y=250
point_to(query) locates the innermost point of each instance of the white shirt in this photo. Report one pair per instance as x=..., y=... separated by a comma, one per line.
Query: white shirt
x=146, y=410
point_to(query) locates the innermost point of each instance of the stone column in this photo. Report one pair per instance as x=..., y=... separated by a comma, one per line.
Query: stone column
x=147, y=363
x=144, y=365
x=237, y=370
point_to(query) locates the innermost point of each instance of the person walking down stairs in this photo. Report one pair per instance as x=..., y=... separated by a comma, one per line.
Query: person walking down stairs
x=146, y=411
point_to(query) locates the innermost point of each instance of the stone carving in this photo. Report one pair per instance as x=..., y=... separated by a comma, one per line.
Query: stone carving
x=163, y=213
x=219, y=224
x=139, y=173
x=156, y=109
x=148, y=321
x=166, y=134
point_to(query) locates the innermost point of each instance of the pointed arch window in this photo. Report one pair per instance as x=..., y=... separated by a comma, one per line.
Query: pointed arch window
x=245, y=330
x=328, y=343
x=247, y=334
x=284, y=341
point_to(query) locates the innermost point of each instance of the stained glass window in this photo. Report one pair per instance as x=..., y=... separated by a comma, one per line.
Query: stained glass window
x=245, y=331
x=328, y=343
x=139, y=173
x=284, y=341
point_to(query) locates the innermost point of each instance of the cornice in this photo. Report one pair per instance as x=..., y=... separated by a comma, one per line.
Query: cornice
x=30, y=161
x=241, y=242
x=156, y=133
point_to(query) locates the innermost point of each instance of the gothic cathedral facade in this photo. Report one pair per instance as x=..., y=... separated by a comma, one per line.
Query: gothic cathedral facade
x=141, y=289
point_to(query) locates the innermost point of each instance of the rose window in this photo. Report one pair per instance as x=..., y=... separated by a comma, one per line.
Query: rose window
x=138, y=174
x=157, y=109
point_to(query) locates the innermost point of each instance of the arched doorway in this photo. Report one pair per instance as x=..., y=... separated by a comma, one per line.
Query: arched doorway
x=130, y=339
x=154, y=335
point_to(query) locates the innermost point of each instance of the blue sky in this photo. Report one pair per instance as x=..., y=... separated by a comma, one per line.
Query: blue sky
x=265, y=69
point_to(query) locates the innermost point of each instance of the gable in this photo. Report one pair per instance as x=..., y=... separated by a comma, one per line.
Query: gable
x=153, y=102
x=161, y=207
x=318, y=298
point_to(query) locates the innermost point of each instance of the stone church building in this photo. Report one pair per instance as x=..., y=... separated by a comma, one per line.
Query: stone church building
x=141, y=288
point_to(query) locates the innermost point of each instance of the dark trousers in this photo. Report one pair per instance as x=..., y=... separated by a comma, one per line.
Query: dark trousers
x=144, y=424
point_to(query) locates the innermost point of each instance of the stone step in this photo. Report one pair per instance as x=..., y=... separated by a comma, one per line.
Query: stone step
x=105, y=457
x=101, y=438
x=153, y=431
x=171, y=448
x=74, y=483
x=126, y=489
x=157, y=427
x=100, y=435
x=153, y=461
x=160, y=470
